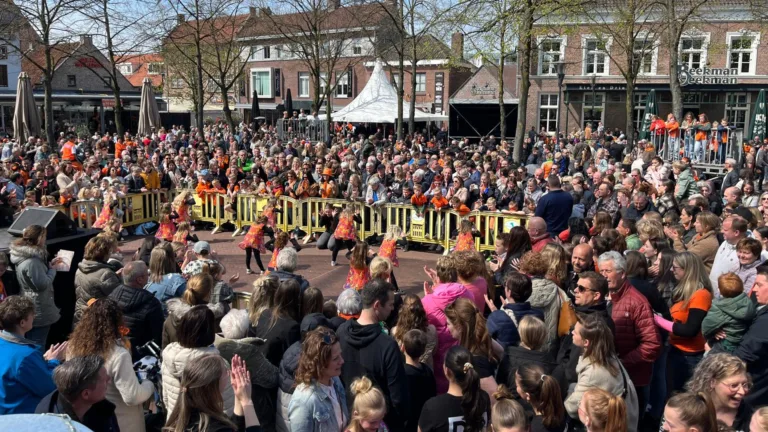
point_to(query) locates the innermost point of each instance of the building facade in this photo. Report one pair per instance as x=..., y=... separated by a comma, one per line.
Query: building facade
x=722, y=65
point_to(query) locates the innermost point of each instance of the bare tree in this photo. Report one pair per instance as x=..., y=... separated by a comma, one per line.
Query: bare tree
x=113, y=28
x=627, y=33
x=35, y=29
x=322, y=35
x=392, y=40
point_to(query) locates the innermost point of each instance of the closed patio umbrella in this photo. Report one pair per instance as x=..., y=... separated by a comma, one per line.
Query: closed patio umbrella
x=149, y=115
x=757, y=126
x=650, y=110
x=255, y=112
x=26, y=122
x=289, y=103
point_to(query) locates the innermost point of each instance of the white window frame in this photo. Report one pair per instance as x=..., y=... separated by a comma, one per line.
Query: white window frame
x=259, y=71
x=128, y=66
x=651, y=39
x=421, y=85
x=552, y=111
x=323, y=82
x=561, y=55
x=177, y=83
x=705, y=37
x=304, y=80
x=739, y=107
x=149, y=67
x=586, y=107
x=752, y=51
x=585, y=53
x=339, y=77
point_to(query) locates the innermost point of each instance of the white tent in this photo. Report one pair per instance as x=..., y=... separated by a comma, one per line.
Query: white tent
x=377, y=103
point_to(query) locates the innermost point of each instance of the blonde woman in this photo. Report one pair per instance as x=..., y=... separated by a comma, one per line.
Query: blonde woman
x=724, y=378
x=691, y=299
x=705, y=243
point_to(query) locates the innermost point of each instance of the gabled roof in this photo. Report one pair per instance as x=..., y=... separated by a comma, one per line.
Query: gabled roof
x=37, y=56
x=428, y=48
x=219, y=29
x=482, y=86
x=140, y=68
x=337, y=19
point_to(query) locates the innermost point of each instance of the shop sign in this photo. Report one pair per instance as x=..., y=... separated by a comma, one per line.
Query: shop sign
x=484, y=90
x=88, y=62
x=705, y=75
x=439, y=77
x=110, y=103
x=600, y=87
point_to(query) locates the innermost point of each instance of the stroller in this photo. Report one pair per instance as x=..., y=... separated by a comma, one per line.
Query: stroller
x=148, y=368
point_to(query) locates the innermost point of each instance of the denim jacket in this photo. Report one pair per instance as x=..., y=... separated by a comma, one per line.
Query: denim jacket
x=311, y=410
x=173, y=285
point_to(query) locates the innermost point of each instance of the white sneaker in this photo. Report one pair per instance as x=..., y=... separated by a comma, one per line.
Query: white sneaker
x=333, y=263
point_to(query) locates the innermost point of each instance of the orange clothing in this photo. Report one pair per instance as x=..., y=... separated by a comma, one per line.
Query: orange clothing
x=68, y=151
x=547, y=167
x=326, y=190
x=151, y=180
x=439, y=203
x=462, y=209
x=465, y=242
x=419, y=200
x=119, y=148
x=201, y=189
x=673, y=128
x=658, y=126
x=701, y=299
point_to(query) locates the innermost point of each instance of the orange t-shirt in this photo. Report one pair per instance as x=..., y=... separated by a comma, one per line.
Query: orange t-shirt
x=701, y=299
x=462, y=209
x=119, y=147
x=439, y=203
x=419, y=200
x=67, y=151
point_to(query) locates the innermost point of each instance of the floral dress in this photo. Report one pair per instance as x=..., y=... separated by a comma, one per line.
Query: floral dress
x=357, y=278
x=465, y=242
x=104, y=217
x=345, y=230
x=388, y=249
x=273, y=262
x=167, y=229
x=183, y=212
x=254, y=239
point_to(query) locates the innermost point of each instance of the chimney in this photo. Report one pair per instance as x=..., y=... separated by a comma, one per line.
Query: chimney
x=265, y=11
x=457, y=45
x=334, y=4
x=86, y=40
x=252, y=11
x=181, y=19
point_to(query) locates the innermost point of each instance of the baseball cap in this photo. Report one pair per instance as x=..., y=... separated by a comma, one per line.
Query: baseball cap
x=202, y=246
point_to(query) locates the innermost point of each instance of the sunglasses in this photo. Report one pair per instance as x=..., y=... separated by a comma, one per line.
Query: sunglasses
x=581, y=288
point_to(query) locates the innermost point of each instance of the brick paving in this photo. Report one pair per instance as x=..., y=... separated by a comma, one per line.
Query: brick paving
x=314, y=264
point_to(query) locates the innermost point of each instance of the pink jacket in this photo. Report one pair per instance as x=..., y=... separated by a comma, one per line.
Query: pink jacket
x=478, y=288
x=435, y=304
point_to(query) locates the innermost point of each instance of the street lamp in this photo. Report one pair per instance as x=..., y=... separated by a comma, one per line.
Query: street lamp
x=560, y=69
x=592, y=108
x=567, y=101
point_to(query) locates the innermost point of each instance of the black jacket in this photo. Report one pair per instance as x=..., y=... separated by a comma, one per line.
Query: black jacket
x=142, y=313
x=279, y=337
x=367, y=351
x=514, y=357
x=135, y=183
x=99, y=418
x=754, y=351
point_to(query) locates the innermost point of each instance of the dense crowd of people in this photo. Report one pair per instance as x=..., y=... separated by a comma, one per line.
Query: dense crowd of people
x=632, y=300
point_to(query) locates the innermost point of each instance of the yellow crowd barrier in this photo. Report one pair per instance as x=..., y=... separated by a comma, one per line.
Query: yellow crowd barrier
x=433, y=227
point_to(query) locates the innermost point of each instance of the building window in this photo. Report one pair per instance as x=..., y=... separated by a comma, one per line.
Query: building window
x=155, y=68
x=3, y=75
x=638, y=110
x=421, y=82
x=125, y=68
x=593, y=112
x=595, y=58
x=177, y=83
x=693, y=52
x=551, y=53
x=3, y=52
x=265, y=53
x=643, y=56
x=278, y=52
x=303, y=84
x=210, y=86
x=357, y=50
x=108, y=82
x=548, y=112
x=741, y=53
x=737, y=110
x=323, y=82
x=261, y=82
x=343, y=84
x=71, y=81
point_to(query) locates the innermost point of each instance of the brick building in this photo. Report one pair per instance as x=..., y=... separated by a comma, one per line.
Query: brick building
x=136, y=68
x=274, y=67
x=725, y=60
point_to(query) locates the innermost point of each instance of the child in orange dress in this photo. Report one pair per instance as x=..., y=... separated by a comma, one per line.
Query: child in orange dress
x=359, y=273
x=270, y=211
x=345, y=235
x=253, y=243
x=184, y=234
x=466, y=238
x=167, y=227
x=388, y=249
x=109, y=206
x=181, y=205
x=281, y=241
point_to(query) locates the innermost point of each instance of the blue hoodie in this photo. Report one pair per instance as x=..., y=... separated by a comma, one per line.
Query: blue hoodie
x=26, y=376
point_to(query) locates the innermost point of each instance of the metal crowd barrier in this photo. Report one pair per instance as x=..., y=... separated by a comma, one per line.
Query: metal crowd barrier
x=313, y=130
x=433, y=227
x=713, y=150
